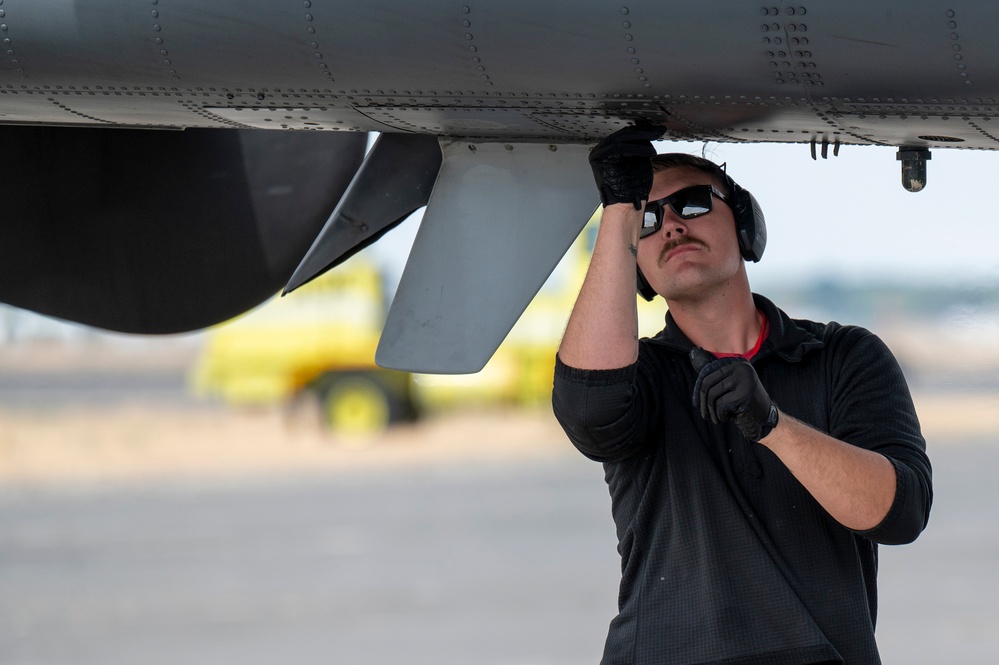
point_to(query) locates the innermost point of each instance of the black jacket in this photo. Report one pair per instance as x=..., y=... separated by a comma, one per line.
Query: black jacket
x=725, y=557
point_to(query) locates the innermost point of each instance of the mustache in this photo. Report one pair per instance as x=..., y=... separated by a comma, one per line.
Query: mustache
x=673, y=244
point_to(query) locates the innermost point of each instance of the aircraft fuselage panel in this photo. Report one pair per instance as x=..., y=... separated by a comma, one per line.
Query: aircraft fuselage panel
x=848, y=72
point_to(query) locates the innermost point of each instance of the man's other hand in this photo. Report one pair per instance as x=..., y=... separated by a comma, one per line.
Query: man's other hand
x=728, y=389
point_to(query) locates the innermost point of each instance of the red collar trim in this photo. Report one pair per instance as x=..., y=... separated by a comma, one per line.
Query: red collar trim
x=748, y=355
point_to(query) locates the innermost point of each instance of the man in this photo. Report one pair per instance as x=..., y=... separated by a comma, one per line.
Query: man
x=754, y=462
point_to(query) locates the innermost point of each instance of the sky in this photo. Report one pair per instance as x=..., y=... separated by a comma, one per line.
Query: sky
x=848, y=217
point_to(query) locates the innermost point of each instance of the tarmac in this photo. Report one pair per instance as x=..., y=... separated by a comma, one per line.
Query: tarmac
x=139, y=526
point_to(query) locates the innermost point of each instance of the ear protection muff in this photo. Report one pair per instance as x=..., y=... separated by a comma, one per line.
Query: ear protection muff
x=750, y=229
x=644, y=289
x=750, y=226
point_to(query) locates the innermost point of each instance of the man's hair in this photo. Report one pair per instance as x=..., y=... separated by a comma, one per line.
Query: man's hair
x=673, y=160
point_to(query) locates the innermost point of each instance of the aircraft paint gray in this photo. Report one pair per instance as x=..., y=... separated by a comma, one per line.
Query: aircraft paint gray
x=850, y=71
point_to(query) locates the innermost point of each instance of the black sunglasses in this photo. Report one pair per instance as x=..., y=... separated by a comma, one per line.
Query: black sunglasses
x=687, y=203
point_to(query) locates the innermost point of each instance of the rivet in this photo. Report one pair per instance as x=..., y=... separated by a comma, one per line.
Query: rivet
x=308, y=17
x=467, y=23
x=626, y=25
x=950, y=13
x=468, y=35
x=466, y=10
x=952, y=25
x=627, y=37
x=801, y=10
x=790, y=11
x=156, y=27
x=156, y=14
x=624, y=10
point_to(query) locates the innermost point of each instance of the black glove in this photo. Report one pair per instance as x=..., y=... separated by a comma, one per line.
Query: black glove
x=729, y=389
x=621, y=165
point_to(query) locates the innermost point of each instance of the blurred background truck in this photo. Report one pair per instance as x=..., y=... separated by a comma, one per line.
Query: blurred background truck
x=319, y=343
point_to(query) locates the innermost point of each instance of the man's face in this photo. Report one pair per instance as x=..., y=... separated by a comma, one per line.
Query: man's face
x=690, y=258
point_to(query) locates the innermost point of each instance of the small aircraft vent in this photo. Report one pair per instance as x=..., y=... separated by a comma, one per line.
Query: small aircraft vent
x=941, y=139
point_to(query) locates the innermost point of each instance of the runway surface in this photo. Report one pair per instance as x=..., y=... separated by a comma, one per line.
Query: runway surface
x=505, y=561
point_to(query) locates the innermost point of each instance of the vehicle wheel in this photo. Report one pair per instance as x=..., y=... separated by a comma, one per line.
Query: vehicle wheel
x=360, y=405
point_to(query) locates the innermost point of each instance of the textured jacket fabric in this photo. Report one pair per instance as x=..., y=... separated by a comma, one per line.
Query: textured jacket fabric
x=725, y=557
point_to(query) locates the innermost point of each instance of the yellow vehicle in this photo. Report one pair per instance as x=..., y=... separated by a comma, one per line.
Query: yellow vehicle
x=321, y=341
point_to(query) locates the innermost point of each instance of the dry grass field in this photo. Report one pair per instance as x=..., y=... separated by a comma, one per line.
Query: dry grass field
x=140, y=441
